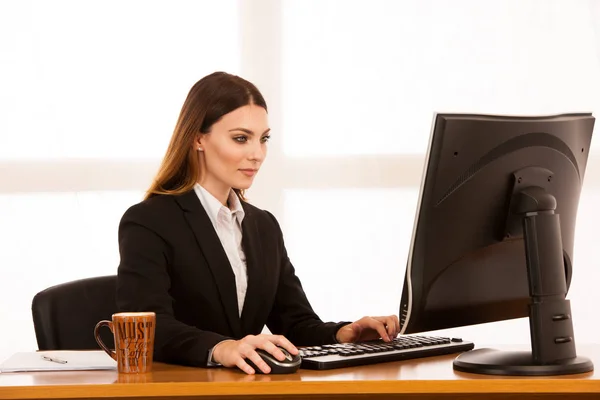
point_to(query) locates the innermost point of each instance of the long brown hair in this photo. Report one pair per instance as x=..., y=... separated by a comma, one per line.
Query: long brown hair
x=208, y=100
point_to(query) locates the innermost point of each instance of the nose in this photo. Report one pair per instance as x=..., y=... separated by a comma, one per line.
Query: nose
x=258, y=152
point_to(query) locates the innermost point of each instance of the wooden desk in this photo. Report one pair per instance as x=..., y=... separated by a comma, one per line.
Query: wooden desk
x=425, y=378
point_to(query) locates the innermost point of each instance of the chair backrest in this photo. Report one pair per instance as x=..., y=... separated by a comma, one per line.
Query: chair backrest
x=64, y=316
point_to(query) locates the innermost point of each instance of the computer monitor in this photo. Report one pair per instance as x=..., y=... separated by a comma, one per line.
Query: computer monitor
x=493, y=235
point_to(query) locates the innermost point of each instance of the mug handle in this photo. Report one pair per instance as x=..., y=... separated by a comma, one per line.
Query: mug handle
x=100, y=342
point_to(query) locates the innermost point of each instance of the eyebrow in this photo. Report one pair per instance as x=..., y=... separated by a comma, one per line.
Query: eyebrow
x=248, y=131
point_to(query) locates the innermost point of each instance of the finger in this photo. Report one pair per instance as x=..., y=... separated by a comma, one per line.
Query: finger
x=259, y=362
x=397, y=324
x=241, y=364
x=390, y=325
x=273, y=349
x=377, y=323
x=285, y=343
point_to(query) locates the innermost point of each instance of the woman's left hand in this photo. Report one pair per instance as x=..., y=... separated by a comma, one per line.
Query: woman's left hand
x=369, y=328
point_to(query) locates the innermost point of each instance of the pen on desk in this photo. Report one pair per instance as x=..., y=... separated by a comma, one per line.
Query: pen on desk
x=56, y=360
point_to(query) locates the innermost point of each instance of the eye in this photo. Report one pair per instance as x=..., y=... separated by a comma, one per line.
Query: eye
x=265, y=138
x=241, y=139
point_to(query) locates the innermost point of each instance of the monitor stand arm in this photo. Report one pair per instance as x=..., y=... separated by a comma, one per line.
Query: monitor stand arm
x=550, y=319
x=552, y=340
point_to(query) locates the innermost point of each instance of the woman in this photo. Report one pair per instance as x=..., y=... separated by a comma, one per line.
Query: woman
x=213, y=267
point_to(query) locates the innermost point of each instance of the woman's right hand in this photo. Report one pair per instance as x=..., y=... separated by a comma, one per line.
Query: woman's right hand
x=233, y=353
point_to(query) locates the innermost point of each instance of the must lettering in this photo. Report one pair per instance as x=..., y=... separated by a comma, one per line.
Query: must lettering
x=133, y=330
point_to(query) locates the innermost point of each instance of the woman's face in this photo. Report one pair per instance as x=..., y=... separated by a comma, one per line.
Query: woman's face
x=234, y=149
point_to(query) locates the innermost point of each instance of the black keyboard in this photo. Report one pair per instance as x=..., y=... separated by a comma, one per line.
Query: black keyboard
x=401, y=348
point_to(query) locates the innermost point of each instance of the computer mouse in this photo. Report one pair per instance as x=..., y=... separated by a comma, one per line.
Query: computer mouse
x=287, y=366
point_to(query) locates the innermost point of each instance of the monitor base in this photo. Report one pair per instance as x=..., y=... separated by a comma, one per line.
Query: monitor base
x=496, y=362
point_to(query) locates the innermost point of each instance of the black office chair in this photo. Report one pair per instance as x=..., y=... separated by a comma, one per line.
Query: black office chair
x=64, y=316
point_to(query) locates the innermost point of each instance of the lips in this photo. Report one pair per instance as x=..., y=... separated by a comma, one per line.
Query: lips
x=249, y=171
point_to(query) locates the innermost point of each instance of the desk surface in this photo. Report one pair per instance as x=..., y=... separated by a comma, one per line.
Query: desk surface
x=423, y=378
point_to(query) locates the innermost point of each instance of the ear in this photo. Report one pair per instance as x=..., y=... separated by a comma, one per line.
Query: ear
x=199, y=143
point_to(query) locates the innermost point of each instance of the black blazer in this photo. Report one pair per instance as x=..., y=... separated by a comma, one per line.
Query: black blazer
x=173, y=263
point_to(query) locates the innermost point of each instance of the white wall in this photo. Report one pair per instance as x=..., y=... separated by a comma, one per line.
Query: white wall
x=90, y=90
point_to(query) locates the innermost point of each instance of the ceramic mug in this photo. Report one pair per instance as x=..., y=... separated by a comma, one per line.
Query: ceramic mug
x=134, y=340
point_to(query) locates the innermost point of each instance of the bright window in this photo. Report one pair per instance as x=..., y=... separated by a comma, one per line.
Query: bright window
x=365, y=77
x=105, y=79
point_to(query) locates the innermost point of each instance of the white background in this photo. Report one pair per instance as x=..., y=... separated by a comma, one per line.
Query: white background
x=90, y=91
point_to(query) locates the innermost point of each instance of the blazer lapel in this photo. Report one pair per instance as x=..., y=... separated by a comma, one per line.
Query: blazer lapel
x=215, y=256
x=255, y=268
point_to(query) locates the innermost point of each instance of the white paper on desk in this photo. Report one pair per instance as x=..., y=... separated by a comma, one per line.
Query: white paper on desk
x=76, y=361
